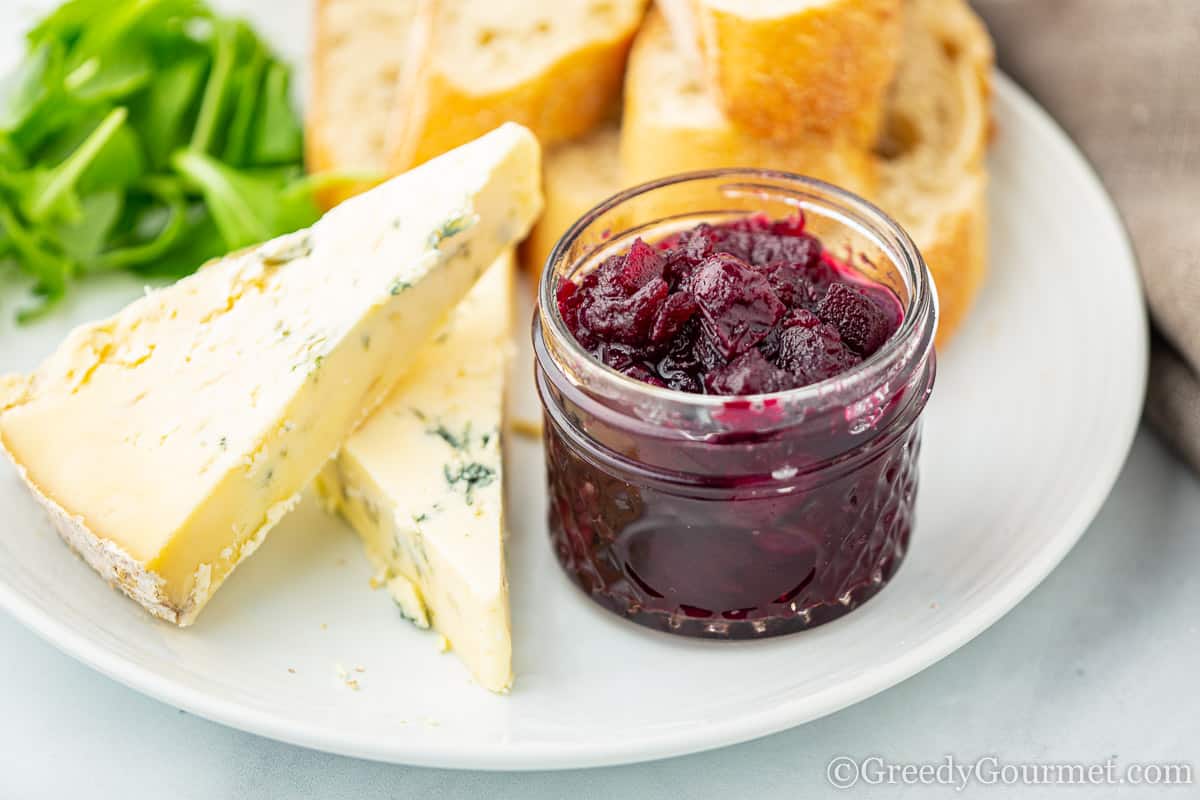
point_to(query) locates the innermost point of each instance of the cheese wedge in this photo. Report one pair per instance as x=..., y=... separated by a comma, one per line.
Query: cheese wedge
x=422, y=483
x=167, y=440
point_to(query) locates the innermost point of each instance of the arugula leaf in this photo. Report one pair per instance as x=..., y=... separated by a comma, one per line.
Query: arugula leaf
x=101, y=33
x=89, y=26
x=248, y=208
x=117, y=164
x=111, y=76
x=11, y=157
x=83, y=238
x=49, y=270
x=26, y=89
x=278, y=139
x=160, y=113
x=224, y=51
x=52, y=191
x=237, y=142
x=144, y=135
x=146, y=246
x=242, y=207
x=199, y=243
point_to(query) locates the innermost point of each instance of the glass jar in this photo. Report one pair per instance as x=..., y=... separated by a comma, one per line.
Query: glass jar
x=734, y=517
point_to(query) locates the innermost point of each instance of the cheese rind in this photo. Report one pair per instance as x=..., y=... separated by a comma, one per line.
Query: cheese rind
x=167, y=440
x=422, y=483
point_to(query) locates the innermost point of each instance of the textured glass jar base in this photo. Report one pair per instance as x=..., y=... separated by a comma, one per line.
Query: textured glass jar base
x=726, y=564
x=719, y=627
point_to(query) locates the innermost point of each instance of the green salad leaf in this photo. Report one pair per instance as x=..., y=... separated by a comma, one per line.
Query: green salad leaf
x=147, y=136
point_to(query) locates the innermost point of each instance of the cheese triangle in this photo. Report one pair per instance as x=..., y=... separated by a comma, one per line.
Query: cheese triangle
x=422, y=483
x=167, y=440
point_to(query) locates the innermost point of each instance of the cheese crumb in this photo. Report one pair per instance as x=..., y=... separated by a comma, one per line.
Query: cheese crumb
x=344, y=677
x=378, y=580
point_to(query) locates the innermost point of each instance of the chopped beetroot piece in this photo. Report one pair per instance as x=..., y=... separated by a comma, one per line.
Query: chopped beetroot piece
x=862, y=324
x=675, y=312
x=736, y=303
x=616, y=355
x=749, y=373
x=568, y=298
x=625, y=319
x=732, y=308
x=638, y=372
x=699, y=243
x=825, y=272
x=791, y=225
x=751, y=223
x=681, y=374
x=638, y=267
x=814, y=354
x=691, y=350
x=799, y=316
x=802, y=251
x=736, y=243
x=790, y=283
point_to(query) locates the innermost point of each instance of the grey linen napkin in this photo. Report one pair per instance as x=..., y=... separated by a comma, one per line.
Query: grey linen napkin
x=1123, y=77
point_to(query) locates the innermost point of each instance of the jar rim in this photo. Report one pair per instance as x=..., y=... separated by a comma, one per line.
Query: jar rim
x=915, y=334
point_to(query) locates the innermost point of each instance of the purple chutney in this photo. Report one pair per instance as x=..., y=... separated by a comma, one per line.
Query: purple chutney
x=745, y=307
x=749, y=532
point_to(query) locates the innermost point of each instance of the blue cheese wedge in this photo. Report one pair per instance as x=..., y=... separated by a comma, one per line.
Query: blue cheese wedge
x=421, y=482
x=167, y=440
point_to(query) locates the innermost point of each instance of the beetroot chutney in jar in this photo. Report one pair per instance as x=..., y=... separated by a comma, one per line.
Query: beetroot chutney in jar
x=733, y=366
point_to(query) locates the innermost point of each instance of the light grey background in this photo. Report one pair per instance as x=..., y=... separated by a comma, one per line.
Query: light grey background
x=1102, y=660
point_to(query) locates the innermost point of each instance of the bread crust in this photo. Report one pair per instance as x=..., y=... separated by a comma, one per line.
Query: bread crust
x=933, y=158
x=318, y=154
x=655, y=142
x=565, y=100
x=956, y=253
x=576, y=177
x=817, y=68
x=325, y=149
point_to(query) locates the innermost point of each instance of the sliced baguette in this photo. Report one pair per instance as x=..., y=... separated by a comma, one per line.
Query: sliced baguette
x=577, y=175
x=554, y=67
x=674, y=124
x=933, y=177
x=367, y=54
x=785, y=69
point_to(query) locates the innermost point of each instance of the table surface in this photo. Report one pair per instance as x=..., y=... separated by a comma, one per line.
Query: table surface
x=1099, y=662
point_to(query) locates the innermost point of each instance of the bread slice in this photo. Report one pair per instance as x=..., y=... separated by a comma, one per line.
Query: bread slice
x=555, y=67
x=367, y=54
x=933, y=177
x=674, y=124
x=577, y=176
x=786, y=69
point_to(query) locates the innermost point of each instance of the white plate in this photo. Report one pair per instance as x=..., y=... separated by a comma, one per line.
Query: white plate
x=1035, y=408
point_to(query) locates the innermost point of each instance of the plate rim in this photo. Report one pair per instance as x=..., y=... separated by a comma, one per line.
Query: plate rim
x=542, y=756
